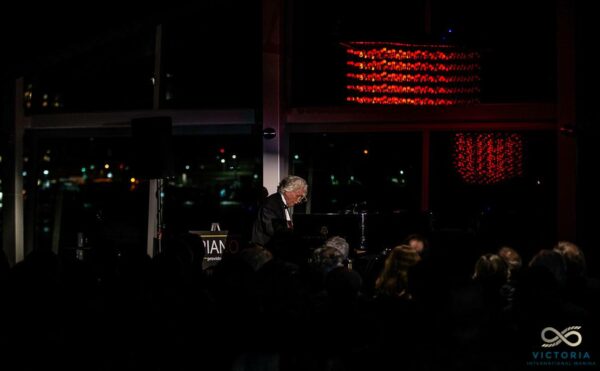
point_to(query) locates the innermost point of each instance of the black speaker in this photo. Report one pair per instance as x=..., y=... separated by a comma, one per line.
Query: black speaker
x=152, y=147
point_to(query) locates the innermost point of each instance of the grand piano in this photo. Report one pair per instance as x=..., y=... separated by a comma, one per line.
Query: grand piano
x=367, y=231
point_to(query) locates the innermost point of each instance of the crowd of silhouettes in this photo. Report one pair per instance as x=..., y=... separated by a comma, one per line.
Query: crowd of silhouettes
x=444, y=304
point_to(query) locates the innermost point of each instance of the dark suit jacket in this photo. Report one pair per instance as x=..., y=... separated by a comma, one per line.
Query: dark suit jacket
x=270, y=220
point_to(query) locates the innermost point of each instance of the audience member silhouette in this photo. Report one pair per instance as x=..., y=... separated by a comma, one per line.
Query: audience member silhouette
x=581, y=289
x=393, y=279
x=397, y=318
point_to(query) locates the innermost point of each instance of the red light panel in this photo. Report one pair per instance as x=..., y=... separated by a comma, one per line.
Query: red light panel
x=488, y=158
x=410, y=74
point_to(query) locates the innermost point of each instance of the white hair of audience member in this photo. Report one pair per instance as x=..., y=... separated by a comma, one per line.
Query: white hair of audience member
x=333, y=254
x=340, y=244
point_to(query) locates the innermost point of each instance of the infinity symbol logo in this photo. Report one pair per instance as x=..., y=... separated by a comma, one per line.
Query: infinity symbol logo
x=561, y=336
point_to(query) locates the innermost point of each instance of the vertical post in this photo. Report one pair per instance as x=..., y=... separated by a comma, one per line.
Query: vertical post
x=566, y=145
x=58, y=210
x=275, y=150
x=310, y=180
x=425, y=153
x=32, y=206
x=157, y=67
x=152, y=219
x=18, y=173
x=13, y=236
x=152, y=237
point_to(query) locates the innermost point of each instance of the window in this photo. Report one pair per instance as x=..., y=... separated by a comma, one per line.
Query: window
x=85, y=183
x=378, y=172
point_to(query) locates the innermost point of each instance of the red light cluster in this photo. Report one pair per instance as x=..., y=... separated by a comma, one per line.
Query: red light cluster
x=385, y=65
x=418, y=90
x=409, y=101
x=488, y=158
x=404, y=51
x=416, y=78
x=409, y=74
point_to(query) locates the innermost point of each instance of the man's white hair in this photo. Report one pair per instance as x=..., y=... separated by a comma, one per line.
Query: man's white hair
x=291, y=183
